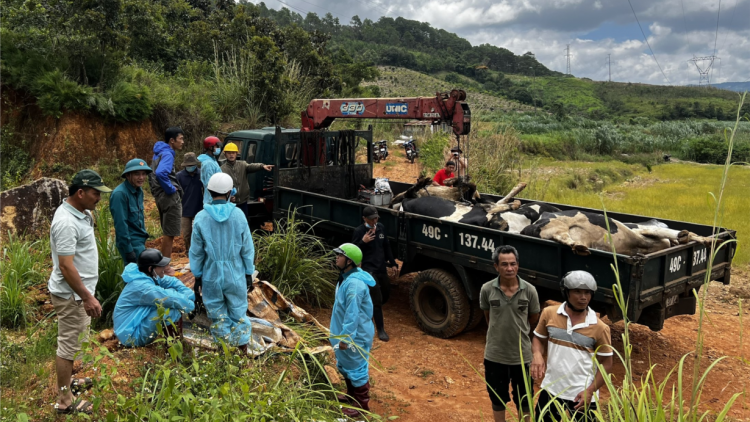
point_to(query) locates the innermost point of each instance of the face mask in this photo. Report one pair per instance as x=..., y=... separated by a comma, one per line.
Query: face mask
x=368, y=225
x=233, y=192
x=191, y=169
x=217, y=152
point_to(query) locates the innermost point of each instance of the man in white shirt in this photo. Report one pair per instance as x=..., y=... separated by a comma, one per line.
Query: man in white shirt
x=73, y=281
x=572, y=335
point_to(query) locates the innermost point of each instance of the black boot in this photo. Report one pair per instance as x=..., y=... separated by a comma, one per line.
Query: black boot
x=377, y=316
x=361, y=396
x=346, y=398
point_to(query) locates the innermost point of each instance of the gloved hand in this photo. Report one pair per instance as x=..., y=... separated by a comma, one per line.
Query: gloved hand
x=249, y=281
x=130, y=257
x=198, y=297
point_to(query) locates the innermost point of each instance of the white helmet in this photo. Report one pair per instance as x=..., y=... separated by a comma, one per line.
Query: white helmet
x=220, y=183
x=578, y=280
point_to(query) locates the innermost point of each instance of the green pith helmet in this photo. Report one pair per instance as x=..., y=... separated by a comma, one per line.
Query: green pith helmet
x=135, y=164
x=350, y=251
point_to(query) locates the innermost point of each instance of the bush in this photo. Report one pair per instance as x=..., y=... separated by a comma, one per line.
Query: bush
x=714, y=150
x=110, y=283
x=15, y=162
x=56, y=92
x=294, y=260
x=19, y=269
x=130, y=102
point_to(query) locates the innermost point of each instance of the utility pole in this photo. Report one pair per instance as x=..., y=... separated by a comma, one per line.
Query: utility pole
x=609, y=63
x=704, y=66
x=567, y=55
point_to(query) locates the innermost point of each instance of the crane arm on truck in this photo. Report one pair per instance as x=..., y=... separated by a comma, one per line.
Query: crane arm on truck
x=442, y=108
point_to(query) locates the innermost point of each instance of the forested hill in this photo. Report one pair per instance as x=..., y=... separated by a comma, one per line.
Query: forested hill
x=411, y=44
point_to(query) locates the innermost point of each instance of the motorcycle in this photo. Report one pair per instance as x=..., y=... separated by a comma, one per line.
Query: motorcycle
x=380, y=151
x=411, y=150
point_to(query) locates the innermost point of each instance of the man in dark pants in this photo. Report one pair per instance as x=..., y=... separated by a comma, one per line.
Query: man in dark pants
x=377, y=257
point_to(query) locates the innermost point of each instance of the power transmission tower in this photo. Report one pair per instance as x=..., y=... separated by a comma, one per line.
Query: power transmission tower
x=609, y=63
x=704, y=65
x=567, y=56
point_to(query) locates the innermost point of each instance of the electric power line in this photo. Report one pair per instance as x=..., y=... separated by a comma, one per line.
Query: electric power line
x=684, y=20
x=289, y=5
x=731, y=21
x=718, y=14
x=647, y=43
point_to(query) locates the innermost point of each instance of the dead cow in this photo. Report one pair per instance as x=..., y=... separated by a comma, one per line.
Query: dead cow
x=584, y=230
x=456, y=189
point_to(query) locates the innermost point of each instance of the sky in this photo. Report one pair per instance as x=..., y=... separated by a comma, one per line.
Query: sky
x=676, y=30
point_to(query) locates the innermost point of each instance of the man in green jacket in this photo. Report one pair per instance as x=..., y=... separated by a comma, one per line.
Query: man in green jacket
x=126, y=206
x=239, y=170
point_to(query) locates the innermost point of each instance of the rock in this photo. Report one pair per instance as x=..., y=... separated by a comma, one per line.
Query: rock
x=105, y=335
x=333, y=374
x=30, y=208
x=743, y=292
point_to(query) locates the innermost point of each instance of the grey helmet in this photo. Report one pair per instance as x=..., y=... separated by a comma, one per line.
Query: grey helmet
x=577, y=280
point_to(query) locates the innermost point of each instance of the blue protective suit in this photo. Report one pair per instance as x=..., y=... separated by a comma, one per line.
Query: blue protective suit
x=351, y=322
x=222, y=253
x=135, y=311
x=209, y=167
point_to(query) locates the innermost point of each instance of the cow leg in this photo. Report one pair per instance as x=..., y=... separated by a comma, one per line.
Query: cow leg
x=675, y=237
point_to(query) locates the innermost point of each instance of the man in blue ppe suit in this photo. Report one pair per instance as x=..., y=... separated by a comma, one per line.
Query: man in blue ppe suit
x=212, y=147
x=221, y=258
x=126, y=206
x=352, y=330
x=146, y=285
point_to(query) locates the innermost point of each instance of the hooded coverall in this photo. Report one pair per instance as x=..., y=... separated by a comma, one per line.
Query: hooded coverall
x=136, y=310
x=351, y=322
x=222, y=253
x=209, y=167
x=126, y=206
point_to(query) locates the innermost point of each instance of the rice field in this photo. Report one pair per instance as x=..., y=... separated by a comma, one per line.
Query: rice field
x=677, y=191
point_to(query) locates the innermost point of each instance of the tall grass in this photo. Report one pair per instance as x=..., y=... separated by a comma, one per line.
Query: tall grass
x=294, y=260
x=24, y=263
x=110, y=283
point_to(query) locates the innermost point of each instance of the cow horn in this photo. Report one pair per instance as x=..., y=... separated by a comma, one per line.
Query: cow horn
x=519, y=187
x=505, y=207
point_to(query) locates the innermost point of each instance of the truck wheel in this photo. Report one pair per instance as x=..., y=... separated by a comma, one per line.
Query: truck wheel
x=439, y=303
x=477, y=316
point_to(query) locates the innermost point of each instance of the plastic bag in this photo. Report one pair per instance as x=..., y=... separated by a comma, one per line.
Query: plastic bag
x=382, y=185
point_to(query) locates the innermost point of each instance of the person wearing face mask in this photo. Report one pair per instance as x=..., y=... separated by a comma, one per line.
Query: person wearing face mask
x=352, y=330
x=192, y=199
x=209, y=160
x=377, y=259
x=239, y=170
x=126, y=206
x=136, y=314
x=222, y=258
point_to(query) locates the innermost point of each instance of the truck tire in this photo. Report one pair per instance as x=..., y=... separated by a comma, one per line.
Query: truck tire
x=477, y=316
x=439, y=303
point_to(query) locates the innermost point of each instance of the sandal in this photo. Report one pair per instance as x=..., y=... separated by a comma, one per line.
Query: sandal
x=79, y=385
x=78, y=406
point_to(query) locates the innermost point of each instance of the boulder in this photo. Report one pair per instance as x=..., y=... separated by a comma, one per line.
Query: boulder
x=30, y=208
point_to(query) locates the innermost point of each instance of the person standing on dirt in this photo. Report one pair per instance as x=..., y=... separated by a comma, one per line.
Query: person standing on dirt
x=212, y=147
x=192, y=198
x=445, y=173
x=377, y=259
x=239, y=170
x=136, y=313
x=351, y=327
x=461, y=163
x=126, y=207
x=511, y=309
x=222, y=259
x=72, y=283
x=166, y=190
x=571, y=334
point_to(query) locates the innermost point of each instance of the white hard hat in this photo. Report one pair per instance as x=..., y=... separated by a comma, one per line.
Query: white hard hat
x=220, y=183
x=578, y=280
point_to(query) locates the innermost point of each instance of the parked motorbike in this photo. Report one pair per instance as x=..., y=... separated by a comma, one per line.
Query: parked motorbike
x=380, y=151
x=411, y=150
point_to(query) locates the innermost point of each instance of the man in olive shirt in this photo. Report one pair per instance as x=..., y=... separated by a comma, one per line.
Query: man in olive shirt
x=511, y=308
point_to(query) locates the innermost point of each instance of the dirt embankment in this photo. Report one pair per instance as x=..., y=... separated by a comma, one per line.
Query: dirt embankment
x=75, y=140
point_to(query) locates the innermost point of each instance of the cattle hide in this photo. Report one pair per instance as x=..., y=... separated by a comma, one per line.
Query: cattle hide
x=584, y=230
x=525, y=215
x=477, y=215
x=461, y=189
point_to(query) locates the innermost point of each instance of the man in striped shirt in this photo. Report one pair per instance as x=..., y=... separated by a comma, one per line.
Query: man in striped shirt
x=572, y=334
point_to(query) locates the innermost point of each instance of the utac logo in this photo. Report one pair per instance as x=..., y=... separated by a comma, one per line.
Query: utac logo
x=396, y=108
x=349, y=109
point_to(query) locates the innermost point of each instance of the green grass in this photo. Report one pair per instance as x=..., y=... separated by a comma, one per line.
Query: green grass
x=24, y=263
x=672, y=191
x=111, y=265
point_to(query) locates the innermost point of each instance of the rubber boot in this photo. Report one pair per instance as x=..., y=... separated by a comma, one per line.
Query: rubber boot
x=377, y=316
x=361, y=396
x=346, y=398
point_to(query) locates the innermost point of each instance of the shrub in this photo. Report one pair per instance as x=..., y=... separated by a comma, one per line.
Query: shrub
x=130, y=102
x=294, y=260
x=15, y=162
x=17, y=271
x=56, y=92
x=110, y=283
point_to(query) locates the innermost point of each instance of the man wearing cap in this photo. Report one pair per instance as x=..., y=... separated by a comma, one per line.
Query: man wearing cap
x=351, y=327
x=165, y=188
x=239, y=170
x=192, y=195
x=511, y=309
x=571, y=334
x=126, y=206
x=377, y=258
x=221, y=258
x=72, y=283
x=136, y=313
